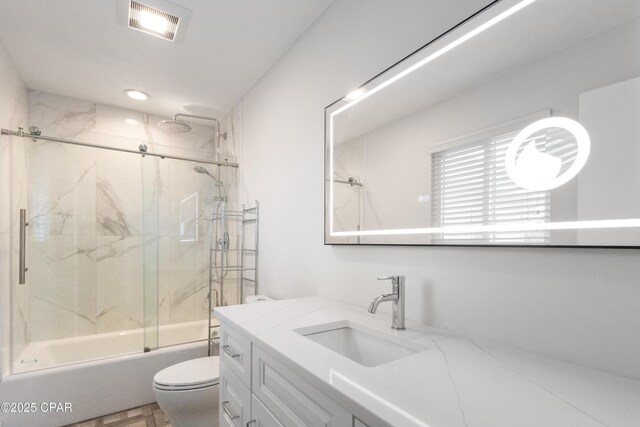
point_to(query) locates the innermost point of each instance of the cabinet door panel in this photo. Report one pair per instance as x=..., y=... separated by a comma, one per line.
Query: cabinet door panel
x=261, y=416
x=291, y=399
x=235, y=398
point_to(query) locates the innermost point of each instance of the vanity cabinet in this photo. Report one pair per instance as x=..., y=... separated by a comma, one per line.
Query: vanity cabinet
x=257, y=390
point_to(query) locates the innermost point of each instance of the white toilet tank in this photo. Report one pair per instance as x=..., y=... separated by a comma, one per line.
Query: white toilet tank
x=257, y=298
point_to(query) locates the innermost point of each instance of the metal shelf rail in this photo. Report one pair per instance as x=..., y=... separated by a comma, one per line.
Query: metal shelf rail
x=233, y=260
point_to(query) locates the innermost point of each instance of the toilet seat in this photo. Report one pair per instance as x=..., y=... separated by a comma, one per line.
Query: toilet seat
x=190, y=375
x=183, y=388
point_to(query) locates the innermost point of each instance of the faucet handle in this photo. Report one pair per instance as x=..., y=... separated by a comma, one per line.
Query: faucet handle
x=395, y=280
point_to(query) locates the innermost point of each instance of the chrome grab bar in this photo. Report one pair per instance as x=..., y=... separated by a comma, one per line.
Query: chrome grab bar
x=227, y=411
x=22, y=269
x=229, y=352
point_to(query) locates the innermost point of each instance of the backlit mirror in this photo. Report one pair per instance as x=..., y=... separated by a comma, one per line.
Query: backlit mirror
x=521, y=126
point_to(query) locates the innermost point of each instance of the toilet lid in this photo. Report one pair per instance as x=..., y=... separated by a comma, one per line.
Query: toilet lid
x=194, y=373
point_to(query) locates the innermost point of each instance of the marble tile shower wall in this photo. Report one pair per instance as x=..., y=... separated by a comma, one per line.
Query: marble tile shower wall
x=87, y=215
x=13, y=112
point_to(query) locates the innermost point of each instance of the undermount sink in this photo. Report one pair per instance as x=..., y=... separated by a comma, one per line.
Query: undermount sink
x=363, y=345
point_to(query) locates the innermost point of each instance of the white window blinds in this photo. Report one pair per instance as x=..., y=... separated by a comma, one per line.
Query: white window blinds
x=470, y=186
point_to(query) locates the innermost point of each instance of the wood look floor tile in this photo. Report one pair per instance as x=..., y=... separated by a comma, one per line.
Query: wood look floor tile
x=142, y=416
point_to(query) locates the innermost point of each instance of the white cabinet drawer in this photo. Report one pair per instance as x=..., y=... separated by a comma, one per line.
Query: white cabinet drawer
x=235, y=398
x=293, y=401
x=235, y=351
x=261, y=416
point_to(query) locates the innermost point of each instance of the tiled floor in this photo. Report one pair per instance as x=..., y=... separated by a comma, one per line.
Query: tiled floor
x=143, y=416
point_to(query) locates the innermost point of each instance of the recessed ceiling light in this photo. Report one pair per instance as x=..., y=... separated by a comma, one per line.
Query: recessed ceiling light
x=132, y=122
x=136, y=94
x=151, y=20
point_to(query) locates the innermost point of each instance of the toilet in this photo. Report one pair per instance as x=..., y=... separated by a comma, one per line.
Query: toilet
x=187, y=392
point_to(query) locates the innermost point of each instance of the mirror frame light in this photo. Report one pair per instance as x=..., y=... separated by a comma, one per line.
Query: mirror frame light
x=495, y=12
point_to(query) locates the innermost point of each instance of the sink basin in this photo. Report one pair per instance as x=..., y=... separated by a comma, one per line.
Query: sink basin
x=363, y=345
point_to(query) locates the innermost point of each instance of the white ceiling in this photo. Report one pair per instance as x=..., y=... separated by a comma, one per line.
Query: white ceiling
x=79, y=49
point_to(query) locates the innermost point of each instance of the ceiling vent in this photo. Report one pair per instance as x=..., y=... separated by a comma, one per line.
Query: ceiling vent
x=153, y=21
x=160, y=18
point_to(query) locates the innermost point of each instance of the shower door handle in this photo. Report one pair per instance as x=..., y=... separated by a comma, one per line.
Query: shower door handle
x=22, y=269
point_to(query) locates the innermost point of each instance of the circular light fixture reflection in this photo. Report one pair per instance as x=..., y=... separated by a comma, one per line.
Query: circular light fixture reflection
x=538, y=171
x=136, y=94
x=132, y=122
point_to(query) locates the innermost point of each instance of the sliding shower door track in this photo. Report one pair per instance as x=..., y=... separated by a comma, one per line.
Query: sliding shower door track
x=34, y=134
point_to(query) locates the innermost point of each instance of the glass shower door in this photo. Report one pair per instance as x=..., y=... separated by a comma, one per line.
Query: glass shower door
x=55, y=306
x=89, y=234
x=185, y=204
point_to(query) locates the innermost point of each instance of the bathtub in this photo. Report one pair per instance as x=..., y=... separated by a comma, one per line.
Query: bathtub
x=97, y=374
x=65, y=351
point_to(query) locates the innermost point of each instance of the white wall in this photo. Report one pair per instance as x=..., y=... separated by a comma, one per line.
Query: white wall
x=581, y=305
x=606, y=195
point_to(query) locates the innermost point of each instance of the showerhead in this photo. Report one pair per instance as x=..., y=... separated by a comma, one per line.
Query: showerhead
x=219, y=184
x=201, y=169
x=174, y=126
x=204, y=171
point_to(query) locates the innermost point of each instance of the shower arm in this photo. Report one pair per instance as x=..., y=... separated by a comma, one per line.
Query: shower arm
x=218, y=135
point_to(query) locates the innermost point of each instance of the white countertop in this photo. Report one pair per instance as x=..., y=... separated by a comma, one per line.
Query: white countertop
x=458, y=381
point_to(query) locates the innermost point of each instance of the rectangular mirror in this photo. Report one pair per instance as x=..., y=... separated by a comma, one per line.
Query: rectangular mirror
x=520, y=126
